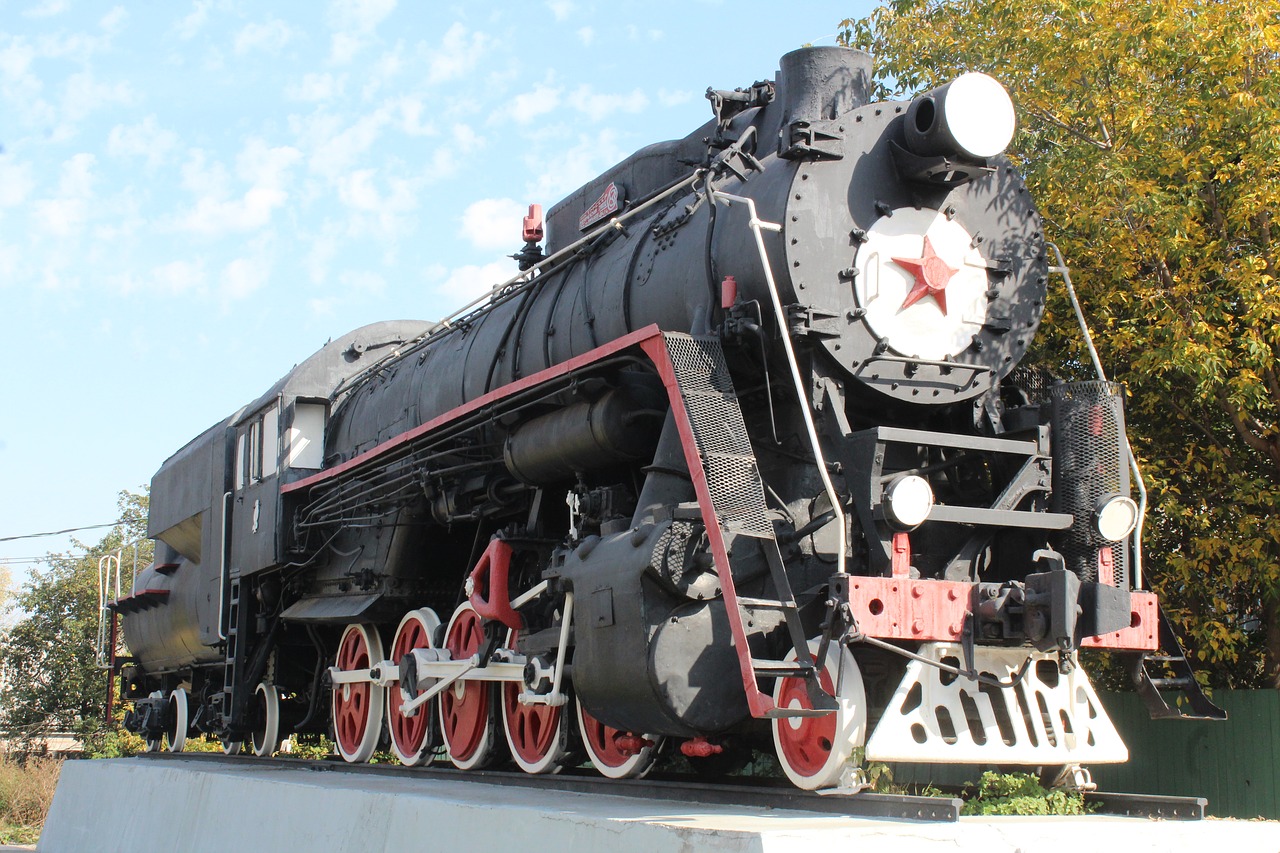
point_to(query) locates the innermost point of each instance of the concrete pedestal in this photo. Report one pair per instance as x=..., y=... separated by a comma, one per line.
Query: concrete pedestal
x=138, y=804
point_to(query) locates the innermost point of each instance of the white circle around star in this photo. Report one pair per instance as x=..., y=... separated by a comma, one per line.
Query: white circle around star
x=929, y=320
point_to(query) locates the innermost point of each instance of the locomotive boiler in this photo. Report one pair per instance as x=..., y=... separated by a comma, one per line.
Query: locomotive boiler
x=745, y=458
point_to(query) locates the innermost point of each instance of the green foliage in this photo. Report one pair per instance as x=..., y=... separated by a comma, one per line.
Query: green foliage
x=311, y=746
x=52, y=681
x=1020, y=794
x=1150, y=137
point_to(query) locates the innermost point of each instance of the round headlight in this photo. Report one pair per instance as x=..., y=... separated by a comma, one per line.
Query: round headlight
x=1116, y=518
x=908, y=501
x=972, y=116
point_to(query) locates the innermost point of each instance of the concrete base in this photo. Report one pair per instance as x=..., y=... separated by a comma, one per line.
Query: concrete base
x=137, y=804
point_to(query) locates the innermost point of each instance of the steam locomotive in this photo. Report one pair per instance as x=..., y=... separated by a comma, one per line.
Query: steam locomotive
x=743, y=459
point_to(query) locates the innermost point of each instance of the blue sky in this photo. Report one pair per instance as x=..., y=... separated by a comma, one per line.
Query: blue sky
x=194, y=196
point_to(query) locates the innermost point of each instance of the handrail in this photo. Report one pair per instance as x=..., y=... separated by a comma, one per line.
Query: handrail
x=1063, y=270
x=758, y=226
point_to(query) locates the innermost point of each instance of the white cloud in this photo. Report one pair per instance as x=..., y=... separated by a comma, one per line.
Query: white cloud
x=410, y=117
x=493, y=223
x=46, y=9
x=316, y=87
x=587, y=35
x=147, y=140
x=363, y=16
x=242, y=277
x=264, y=166
x=459, y=52
x=353, y=22
x=179, y=277
x=467, y=283
x=669, y=98
x=112, y=22
x=270, y=36
x=217, y=212
x=334, y=151
x=560, y=8
x=527, y=106
x=85, y=95
x=446, y=159
x=16, y=182
x=65, y=214
x=575, y=166
x=363, y=281
x=195, y=21
x=322, y=307
x=598, y=105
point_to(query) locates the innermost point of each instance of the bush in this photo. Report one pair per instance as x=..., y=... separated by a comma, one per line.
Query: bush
x=26, y=792
x=1020, y=794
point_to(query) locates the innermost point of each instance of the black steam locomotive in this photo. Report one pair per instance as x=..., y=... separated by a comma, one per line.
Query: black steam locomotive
x=745, y=453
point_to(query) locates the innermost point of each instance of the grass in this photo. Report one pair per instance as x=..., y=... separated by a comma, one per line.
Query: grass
x=26, y=792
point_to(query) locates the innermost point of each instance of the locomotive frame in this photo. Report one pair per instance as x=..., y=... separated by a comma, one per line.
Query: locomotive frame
x=746, y=461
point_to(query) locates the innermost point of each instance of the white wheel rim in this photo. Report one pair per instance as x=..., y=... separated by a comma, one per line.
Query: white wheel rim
x=267, y=739
x=550, y=761
x=430, y=622
x=359, y=750
x=633, y=767
x=483, y=751
x=850, y=720
x=232, y=747
x=181, y=719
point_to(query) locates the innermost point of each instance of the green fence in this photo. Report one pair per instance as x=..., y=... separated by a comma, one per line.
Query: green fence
x=1235, y=764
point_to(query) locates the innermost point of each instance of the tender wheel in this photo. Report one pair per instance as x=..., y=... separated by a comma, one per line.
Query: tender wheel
x=154, y=744
x=265, y=737
x=467, y=720
x=614, y=753
x=537, y=734
x=179, y=720
x=409, y=734
x=232, y=747
x=357, y=707
x=814, y=751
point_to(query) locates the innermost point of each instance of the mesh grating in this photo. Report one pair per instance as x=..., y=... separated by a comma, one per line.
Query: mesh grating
x=1088, y=465
x=733, y=479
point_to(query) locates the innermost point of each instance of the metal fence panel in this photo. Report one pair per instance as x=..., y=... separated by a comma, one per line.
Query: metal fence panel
x=1235, y=764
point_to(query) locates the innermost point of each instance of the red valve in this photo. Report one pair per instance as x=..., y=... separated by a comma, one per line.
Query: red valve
x=728, y=292
x=700, y=747
x=533, y=224
x=631, y=744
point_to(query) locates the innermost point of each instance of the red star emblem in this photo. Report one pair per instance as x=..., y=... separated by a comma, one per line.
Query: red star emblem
x=932, y=275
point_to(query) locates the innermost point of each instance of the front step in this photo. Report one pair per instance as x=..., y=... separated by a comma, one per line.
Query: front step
x=1151, y=675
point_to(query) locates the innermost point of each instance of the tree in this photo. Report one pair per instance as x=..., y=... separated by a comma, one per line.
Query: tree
x=52, y=681
x=1150, y=137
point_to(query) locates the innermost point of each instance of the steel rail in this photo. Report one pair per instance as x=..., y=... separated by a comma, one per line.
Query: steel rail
x=744, y=792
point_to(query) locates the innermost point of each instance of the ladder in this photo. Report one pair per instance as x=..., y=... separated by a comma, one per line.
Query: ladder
x=731, y=495
x=234, y=654
x=1171, y=671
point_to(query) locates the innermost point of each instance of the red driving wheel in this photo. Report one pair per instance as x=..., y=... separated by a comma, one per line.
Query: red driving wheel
x=537, y=734
x=357, y=706
x=409, y=733
x=466, y=707
x=616, y=754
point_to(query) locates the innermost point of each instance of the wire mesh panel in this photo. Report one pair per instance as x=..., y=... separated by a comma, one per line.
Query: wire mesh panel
x=733, y=478
x=1089, y=466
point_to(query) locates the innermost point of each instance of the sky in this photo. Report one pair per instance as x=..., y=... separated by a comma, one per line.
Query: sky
x=195, y=196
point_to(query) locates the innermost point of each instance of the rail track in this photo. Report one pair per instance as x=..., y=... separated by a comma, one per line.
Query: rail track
x=762, y=794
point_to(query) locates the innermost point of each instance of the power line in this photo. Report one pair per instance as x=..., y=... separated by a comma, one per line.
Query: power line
x=59, y=532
